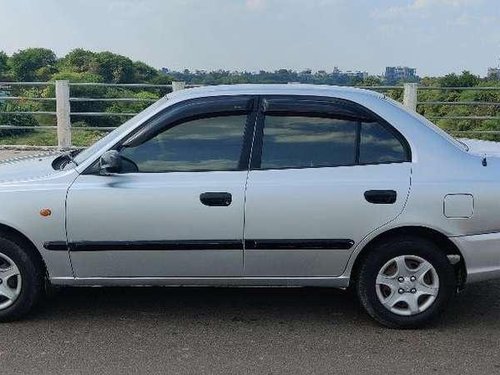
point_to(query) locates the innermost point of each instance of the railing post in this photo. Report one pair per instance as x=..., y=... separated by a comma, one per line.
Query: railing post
x=178, y=85
x=63, y=115
x=410, y=96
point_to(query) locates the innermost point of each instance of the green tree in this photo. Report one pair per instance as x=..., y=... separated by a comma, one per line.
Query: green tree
x=466, y=79
x=3, y=64
x=78, y=61
x=144, y=72
x=114, y=68
x=372, y=81
x=83, y=92
x=161, y=79
x=28, y=64
x=17, y=119
x=147, y=98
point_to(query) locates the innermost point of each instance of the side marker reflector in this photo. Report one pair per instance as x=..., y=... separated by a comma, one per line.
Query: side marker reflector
x=45, y=212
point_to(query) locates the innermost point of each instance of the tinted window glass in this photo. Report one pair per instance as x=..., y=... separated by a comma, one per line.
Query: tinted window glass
x=297, y=142
x=379, y=145
x=209, y=144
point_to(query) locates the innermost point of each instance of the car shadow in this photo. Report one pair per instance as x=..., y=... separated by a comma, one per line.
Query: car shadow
x=478, y=304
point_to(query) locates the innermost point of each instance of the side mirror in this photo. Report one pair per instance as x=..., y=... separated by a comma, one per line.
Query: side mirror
x=110, y=162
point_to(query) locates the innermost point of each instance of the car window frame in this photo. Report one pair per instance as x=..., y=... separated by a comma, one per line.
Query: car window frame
x=319, y=107
x=190, y=110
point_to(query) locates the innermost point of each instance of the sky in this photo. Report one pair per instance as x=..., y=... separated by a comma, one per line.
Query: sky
x=435, y=36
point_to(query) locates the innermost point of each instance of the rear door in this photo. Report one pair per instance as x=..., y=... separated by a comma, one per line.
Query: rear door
x=324, y=174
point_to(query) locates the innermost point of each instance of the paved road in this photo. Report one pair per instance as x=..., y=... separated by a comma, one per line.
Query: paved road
x=244, y=331
x=8, y=154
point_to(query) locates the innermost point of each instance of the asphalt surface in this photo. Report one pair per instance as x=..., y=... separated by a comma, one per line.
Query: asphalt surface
x=244, y=331
x=7, y=154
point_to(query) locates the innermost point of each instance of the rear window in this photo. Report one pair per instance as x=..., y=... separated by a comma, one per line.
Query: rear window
x=302, y=142
x=379, y=145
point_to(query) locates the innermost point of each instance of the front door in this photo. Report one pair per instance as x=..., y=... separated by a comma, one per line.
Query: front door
x=176, y=207
x=324, y=174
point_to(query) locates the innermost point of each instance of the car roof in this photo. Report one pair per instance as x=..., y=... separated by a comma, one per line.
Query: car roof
x=274, y=89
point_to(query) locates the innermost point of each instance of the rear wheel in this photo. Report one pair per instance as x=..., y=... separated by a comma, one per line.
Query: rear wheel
x=21, y=280
x=405, y=283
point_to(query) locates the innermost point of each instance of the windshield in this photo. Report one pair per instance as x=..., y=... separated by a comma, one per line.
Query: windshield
x=123, y=129
x=431, y=125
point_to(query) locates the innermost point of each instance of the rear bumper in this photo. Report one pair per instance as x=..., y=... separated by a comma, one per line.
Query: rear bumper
x=481, y=255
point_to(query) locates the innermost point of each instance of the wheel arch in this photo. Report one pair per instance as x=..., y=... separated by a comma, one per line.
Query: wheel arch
x=440, y=239
x=15, y=235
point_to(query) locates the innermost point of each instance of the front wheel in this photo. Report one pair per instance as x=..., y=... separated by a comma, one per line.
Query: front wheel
x=21, y=280
x=405, y=282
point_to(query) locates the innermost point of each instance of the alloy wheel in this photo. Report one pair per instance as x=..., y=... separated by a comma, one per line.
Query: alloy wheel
x=10, y=281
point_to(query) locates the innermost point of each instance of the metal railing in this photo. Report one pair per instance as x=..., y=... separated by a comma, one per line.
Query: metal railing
x=63, y=101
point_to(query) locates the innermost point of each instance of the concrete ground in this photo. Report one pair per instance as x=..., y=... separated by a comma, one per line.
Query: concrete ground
x=244, y=331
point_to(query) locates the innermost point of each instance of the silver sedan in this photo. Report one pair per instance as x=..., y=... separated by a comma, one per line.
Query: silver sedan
x=258, y=185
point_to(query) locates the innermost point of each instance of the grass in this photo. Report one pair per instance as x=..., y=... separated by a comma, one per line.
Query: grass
x=80, y=138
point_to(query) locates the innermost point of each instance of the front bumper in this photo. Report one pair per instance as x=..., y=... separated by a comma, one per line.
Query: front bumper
x=481, y=255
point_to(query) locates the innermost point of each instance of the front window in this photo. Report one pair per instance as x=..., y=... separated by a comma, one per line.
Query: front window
x=206, y=144
x=123, y=129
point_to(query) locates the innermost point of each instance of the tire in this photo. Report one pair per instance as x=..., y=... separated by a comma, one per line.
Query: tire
x=394, y=272
x=24, y=288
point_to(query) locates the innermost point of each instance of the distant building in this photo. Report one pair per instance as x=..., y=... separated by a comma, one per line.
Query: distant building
x=349, y=73
x=356, y=74
x=493, y=73
x=395, y=74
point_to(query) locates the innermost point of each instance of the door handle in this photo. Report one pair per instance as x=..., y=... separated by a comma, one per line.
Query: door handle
x=381, y=196
x=216, y=199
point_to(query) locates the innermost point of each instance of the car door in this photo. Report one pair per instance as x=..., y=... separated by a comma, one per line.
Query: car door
x=324, y=174
x=176, y=207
